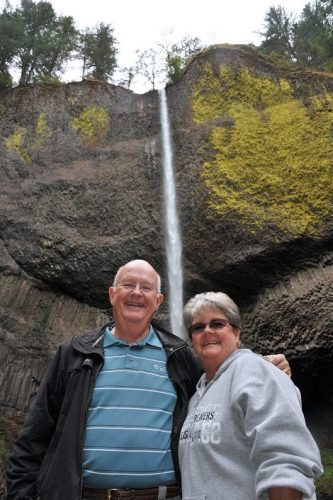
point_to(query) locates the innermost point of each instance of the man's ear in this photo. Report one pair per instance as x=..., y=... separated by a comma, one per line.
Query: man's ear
x=160, y=298
x=111, y=294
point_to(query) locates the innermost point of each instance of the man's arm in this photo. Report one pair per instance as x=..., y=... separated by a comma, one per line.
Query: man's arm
x=280, y=361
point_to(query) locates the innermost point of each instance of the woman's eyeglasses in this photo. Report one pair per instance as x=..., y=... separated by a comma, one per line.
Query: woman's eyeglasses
x=215, y=324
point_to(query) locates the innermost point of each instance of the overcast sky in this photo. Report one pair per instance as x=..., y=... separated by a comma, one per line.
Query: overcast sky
x=140, y=24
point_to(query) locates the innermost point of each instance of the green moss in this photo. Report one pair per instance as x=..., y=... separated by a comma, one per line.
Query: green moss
x=92, y=124
x=273, y=163
x=14, y=143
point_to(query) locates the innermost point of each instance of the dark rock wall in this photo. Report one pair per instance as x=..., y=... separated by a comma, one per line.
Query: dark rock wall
x=42, y=320
x=77, y=203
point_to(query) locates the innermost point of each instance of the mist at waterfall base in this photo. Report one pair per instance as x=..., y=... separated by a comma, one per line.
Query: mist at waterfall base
x=172, y=232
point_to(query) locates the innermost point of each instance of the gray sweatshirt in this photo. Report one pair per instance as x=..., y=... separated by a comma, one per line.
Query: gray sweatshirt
x=245, y=433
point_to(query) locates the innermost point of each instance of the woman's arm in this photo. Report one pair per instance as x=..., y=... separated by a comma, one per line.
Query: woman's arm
x=283, y=451
x=284, y=494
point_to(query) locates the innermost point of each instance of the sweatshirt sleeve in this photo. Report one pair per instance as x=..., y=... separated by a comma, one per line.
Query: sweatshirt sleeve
x=31, y=445
x=283, y=450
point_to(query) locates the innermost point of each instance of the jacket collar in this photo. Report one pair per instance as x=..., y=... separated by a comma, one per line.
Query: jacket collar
x=91, y=342
x=170, y=341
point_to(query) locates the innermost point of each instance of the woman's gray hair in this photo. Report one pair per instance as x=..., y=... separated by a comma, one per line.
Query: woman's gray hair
x=212, y=300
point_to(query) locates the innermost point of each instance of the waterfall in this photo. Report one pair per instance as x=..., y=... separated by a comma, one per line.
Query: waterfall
x=172, y=238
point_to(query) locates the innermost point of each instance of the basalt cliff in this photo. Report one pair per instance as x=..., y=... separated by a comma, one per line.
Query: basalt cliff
x=81, y=194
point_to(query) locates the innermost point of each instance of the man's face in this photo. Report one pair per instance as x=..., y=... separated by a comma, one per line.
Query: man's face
x=134, y=297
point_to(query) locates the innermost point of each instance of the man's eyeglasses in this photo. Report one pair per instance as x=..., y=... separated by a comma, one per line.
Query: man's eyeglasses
x=130, y=287
x=215, y=324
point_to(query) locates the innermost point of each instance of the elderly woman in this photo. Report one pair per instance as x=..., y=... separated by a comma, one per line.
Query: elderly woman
x=245, y=437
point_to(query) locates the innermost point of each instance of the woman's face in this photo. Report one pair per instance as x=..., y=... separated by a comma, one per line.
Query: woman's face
x=218, y=339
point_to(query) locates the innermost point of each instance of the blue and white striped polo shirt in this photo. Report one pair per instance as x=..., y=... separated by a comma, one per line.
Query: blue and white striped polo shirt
x=127, y=441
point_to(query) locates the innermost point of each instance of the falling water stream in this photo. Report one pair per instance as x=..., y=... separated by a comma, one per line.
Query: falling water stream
x=173, y=238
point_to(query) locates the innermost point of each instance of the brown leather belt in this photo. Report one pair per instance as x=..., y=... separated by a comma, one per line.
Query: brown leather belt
x=142, y=494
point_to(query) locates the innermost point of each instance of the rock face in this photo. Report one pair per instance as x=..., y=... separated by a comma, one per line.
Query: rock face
x=81, y=194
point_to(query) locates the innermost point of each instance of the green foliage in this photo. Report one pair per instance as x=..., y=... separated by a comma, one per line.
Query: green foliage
x=6, y=81
x=58, y=45
x=272, y=161
x=92, y=124
x=307, y=41
x=278, y=36
x=167, y=61
x=325, y=482
x=43, y=40
x=313, y=38
x=38, y=43
x=52, y=80
x=98, y=51
x=8, y=32
x=178, y=55
x=175, y=65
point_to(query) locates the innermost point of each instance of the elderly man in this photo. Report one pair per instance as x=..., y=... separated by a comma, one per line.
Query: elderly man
x=106, y=420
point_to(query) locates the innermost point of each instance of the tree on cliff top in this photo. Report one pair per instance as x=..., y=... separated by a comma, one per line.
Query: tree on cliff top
x=7, y=45
x=307, y=41
x=37, y=44
x=167, y=61
x=177, y=56
x=313, y=37
x=278, y=34
x=42, y=41
x=98, y=52
x=149, y=65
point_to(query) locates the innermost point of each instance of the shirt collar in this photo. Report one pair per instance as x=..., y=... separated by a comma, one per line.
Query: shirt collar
x=150, y=339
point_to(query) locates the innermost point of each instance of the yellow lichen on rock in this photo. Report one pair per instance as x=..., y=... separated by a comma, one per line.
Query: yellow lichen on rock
x=273, y=162
x=14, y=143
x=42, y=131
x=92, y=124
x=18, y=143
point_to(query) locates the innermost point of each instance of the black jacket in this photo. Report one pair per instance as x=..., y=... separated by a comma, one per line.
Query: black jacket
x=47, y=457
